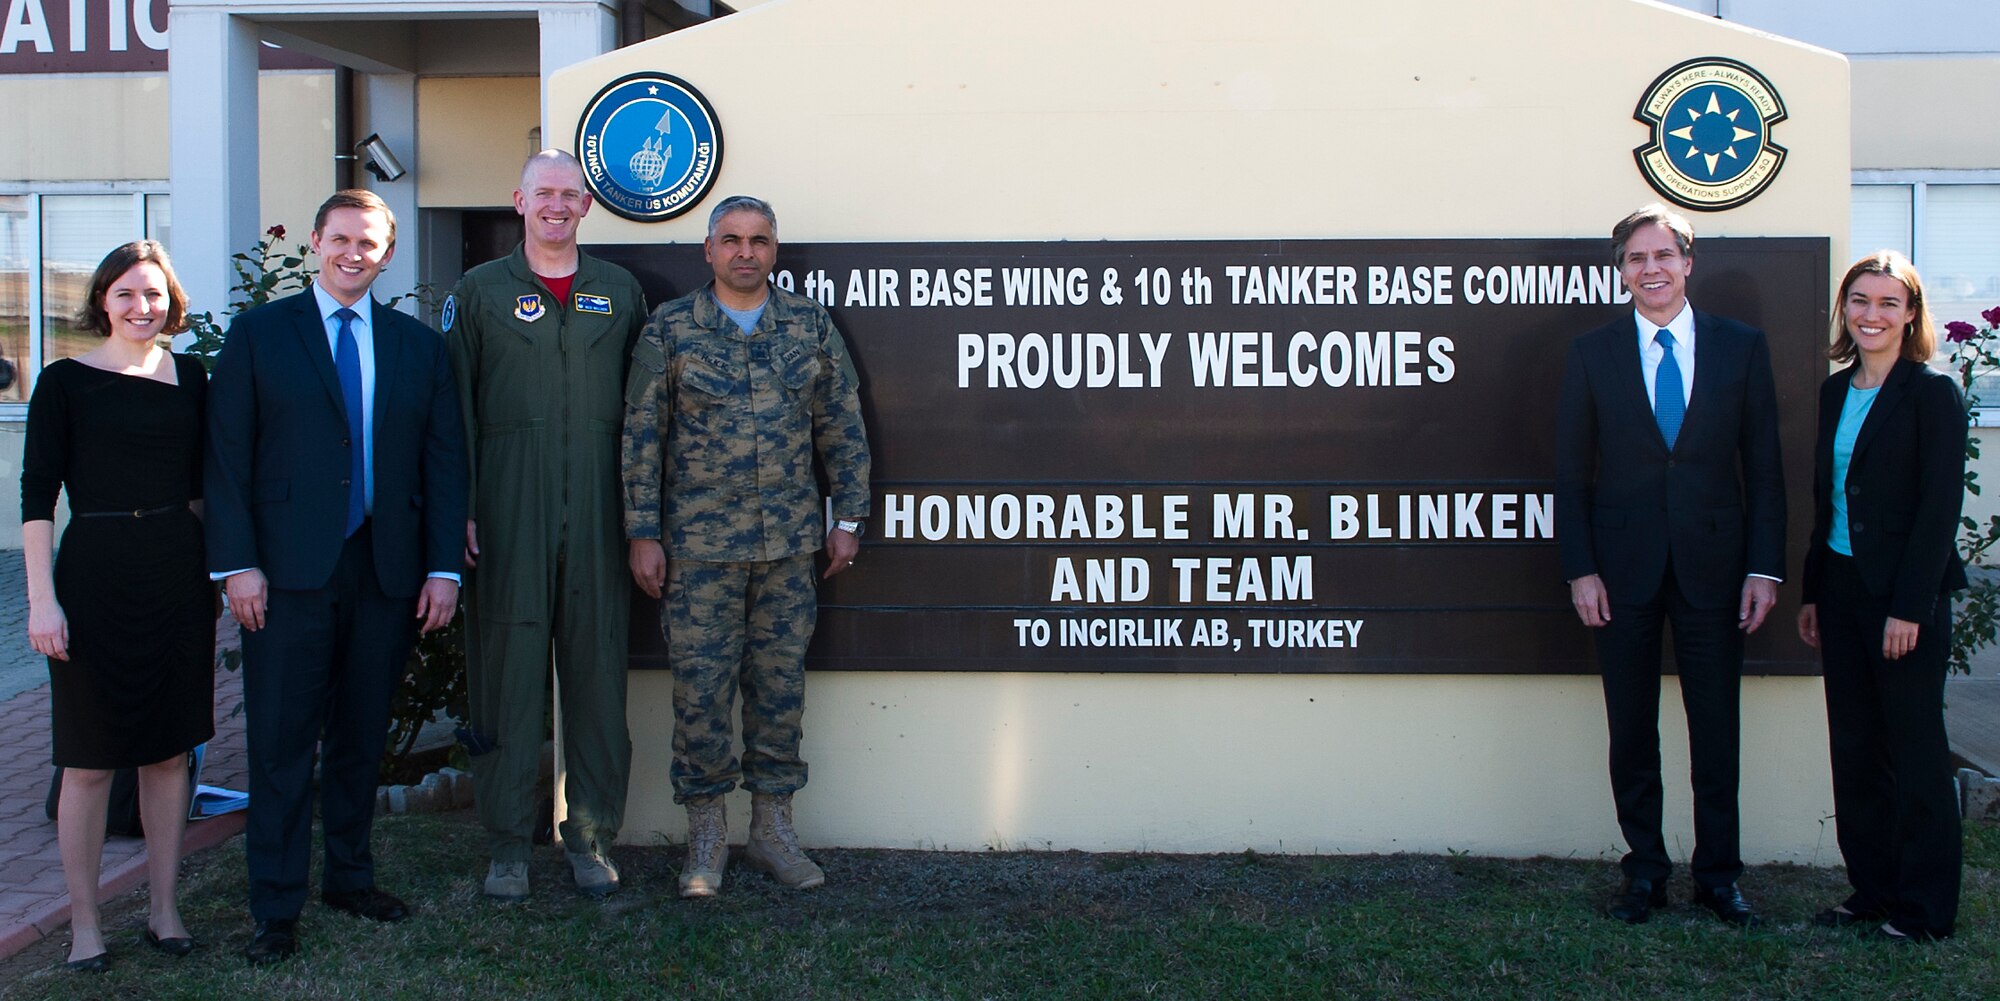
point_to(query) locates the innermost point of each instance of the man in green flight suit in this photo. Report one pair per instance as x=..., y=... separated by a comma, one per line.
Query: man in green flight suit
x=735, y=389
x=540, y=341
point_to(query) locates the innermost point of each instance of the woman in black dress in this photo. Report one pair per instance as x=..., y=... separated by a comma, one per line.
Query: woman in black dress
x=126, y=615
x=1888, y=482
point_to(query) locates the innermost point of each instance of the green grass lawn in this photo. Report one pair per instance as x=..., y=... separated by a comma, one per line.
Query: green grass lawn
x=912, y=925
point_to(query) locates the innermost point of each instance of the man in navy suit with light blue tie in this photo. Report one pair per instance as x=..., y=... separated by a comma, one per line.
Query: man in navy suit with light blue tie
x=335, y=479
x=1670, y=509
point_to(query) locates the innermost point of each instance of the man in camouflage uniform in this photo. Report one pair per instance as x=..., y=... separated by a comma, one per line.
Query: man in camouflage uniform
x=734, y=389
x=540, y=340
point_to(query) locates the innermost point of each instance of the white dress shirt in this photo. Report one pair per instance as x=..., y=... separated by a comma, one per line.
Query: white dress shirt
x=1651, y=353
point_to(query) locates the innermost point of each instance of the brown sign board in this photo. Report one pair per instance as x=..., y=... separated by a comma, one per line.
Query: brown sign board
x=102, y=36
x=1251, y=456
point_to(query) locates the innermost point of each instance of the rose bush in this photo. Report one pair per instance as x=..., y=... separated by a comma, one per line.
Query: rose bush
x=1971, y=352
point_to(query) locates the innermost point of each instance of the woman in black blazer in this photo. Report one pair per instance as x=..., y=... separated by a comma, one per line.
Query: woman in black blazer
x=1888, y=483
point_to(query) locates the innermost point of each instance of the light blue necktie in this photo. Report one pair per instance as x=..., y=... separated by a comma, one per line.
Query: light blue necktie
x=1669, y=403
x=347, y=364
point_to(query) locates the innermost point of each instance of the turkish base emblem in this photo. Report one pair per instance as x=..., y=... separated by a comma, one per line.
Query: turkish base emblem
x=650, y=146
x=1710, y=146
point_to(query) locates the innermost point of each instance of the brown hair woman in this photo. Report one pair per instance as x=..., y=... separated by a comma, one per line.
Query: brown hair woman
x=125, y=613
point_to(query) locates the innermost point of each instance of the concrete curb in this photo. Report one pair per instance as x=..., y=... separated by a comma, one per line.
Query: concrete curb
x=38, y=925
x=1978, y=795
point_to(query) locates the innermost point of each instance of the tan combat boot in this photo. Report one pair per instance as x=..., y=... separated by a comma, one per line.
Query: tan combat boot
x=708, y=848
x=774, y=846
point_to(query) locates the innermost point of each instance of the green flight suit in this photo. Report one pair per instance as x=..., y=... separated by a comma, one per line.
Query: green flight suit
x=541, y=383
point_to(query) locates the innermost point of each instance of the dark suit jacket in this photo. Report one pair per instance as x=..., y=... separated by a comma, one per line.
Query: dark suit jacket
x=1905, y=487
x=1714, y=505
x=277, y=460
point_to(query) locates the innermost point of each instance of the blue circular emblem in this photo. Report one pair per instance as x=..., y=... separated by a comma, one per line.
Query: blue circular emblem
x=1710, y=146
x=650, y=146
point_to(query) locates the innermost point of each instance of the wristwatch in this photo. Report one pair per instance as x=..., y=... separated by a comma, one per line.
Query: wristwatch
x=853, y=528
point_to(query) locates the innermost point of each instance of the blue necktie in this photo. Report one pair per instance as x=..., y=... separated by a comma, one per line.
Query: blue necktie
x=1669, y=403
x=347, y=363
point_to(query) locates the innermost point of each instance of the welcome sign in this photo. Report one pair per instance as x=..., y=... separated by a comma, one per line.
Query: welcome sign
x=1232, y=456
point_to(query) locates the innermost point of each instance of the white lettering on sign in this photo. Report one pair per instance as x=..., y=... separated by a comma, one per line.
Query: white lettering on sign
x=27, y=23
x=1032, y=517
x=1045, y=286
x=1218, y=579
x=110, y=24
x=142, y=23
x=1248, y=358
x=1468, y=515
x=1311, y=634
x=1545, y=284
x=1029, y=361
x=961, y=287
x=1118, y=579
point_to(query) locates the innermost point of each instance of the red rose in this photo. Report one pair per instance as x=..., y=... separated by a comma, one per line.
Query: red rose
x=1992, y=316
x=277, y=232
x=1959, y=331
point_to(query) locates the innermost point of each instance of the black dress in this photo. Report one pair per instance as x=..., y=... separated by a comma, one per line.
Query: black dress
x=139, y=686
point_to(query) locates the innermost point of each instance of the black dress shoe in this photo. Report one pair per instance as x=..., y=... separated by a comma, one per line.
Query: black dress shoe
x=90, y=964
x=1835, y=917
x=1727, y=904
x=276, y=939
x=1635, y=901
x=367, y=902
x=170, y=946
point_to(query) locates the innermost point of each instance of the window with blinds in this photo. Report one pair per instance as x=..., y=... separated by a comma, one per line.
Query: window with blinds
x=1948, y=230
x=50, y=243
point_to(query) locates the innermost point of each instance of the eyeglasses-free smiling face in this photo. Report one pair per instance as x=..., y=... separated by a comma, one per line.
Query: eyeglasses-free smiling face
x=552, y=202
x=353, y=247
x=1878, y=311
x=137, y=303
x=1656, y=271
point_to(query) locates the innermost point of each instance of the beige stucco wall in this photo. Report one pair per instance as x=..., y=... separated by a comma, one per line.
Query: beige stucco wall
x=124, y=136
x=472, y=137
x=294, y=148
x=1921, y=113
x=1045, y=120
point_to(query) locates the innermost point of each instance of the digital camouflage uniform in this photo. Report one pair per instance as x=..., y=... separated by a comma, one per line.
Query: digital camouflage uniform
x=540, y=384
x=721, y=430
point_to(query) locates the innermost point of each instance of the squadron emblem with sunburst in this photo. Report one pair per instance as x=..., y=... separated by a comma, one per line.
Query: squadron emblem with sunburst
x=1710, y=146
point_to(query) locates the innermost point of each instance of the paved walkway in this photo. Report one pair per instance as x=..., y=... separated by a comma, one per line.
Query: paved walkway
x=33, y=901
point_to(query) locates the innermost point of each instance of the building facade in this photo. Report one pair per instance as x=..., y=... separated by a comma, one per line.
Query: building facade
x=232, y=140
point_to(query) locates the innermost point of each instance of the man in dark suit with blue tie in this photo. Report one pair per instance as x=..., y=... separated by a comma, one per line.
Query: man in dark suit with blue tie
x=335, y=479
x=1670, y=508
